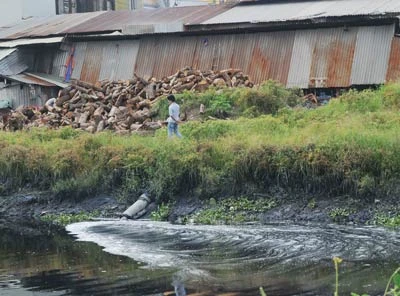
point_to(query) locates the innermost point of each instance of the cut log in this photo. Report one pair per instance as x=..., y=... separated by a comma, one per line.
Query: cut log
x=60, y=101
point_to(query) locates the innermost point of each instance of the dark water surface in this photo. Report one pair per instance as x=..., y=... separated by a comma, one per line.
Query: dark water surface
x=154, y=258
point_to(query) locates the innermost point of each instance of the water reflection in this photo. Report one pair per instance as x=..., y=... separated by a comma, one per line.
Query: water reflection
x=148, y=258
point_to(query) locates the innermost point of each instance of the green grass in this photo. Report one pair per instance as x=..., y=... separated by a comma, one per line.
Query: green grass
x=350, y=146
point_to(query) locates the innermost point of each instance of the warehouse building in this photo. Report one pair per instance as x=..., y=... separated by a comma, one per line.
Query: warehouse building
x=321, y=46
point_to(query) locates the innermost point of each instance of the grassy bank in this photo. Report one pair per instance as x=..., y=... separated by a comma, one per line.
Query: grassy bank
x=350, y=146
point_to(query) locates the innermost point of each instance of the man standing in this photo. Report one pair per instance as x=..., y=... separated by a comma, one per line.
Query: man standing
x=173, y=119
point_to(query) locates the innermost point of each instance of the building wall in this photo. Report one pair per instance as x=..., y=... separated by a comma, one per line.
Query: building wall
x=26, y=95
x=330, y=57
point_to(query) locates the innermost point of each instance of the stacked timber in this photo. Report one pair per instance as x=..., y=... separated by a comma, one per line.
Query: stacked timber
x=123, y=106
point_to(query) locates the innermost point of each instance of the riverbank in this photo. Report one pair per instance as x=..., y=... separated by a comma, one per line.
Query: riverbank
x=274, y=158
x=288, y=207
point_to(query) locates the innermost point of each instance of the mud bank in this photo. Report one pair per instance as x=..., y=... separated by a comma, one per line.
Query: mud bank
x=294, y=207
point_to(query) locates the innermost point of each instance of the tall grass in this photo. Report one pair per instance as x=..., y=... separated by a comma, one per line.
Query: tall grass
x=349, y=146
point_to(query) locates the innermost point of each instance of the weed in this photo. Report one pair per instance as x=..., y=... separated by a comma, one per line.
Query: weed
x=233, y=211
x=340, y=214
x=65, y=219
x=312, y=204
x=162, y=213
x=337, y=261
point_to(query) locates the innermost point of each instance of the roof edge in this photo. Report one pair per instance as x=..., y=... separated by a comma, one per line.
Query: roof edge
x=312, y=23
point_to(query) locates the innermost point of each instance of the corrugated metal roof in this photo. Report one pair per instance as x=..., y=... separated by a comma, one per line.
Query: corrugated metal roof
x=46, y=26
x=109, y=21
x=275, y=12
x=28, y=79
x=54, y=80
x=117, y=20
x=20, y=42
x=6, y=52
x=12, y=62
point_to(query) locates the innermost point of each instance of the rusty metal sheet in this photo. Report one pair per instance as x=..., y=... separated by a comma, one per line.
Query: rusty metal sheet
x=79, y=58
x=271, y=56
x=117, y=20
x=92, y=63
x=340, y=57
x=303, y=58
x=28, y=79
x=332, y=59
x=46, y=26
x=148, y=56
x=118, y=60
x=261, y=55
x=393, y=73
x=59, y=61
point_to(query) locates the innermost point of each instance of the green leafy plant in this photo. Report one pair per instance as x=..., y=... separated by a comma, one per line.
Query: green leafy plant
x=233, y=211
x=393, y=285
x=340, y=214
x=312, y=203
x=65, y=219
x=161, y=213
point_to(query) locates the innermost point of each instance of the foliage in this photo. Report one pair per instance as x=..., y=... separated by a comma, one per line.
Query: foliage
x=395, y=282
x=349, y=146
x=233, y=211
x=340, y=214
x=162, y=213
x=392, y=287
x=385, y=219
x=65, y=219
x=268, y=98
x=312, y=204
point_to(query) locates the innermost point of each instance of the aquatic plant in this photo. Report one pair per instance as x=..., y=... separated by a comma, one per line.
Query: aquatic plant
x=65, y=219
x=233, y=211
x=162, y=212
x=337, y=261
x=392, y=287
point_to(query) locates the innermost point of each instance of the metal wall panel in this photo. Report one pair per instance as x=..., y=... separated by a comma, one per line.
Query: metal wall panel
x=93, y=62
x=147, y=57
x=330, y=57
x=79, y=59
x=301, y=60
x=12, y=64
x=174, y=53
x=393, y=73
x=59, y=63
x=333, y=57
x=271, y=56
x=372, y=53
x=20, y=96
x=118, y=60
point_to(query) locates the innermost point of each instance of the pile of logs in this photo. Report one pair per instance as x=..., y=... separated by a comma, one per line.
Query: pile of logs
x=123, y=106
